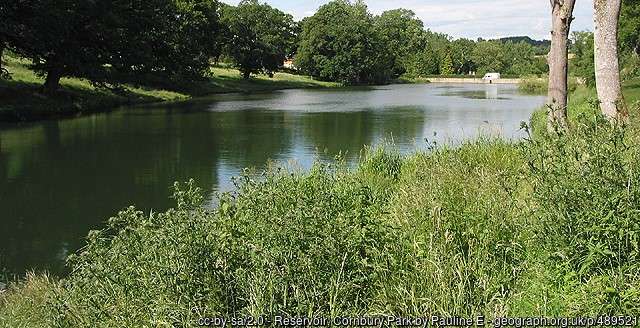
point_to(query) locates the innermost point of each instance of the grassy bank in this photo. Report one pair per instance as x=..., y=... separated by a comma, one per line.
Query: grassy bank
x=21, y=99
x=631, y=90
x=544, y=227
x=535, y=85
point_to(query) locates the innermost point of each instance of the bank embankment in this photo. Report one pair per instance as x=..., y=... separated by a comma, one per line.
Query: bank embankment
x=22, y=99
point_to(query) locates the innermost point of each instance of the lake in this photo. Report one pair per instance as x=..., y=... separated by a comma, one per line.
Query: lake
x=59, y=179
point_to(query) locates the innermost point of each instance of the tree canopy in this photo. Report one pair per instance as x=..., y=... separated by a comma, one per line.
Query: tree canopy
x=489, y=56
x=630, y=26
x=260, y=37
x=403, y=34
x=340, y=42
x=583, y=64
x=111, y=41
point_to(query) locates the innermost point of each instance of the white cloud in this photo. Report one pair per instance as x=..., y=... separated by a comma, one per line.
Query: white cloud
x=465, y=18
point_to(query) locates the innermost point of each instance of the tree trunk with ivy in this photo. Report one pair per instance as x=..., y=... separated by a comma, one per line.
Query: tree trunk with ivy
x=562, y=16
x=606, y=16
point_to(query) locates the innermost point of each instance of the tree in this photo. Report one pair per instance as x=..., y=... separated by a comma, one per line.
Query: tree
x=58, y=37
x=630, y=26
x=403, y=34
x=2, y=70
x=582, y=65
x=423, y=63
x=112, y=41
x=446, y=64
x=562, y=16
x=489, y=56
x=198, y=29
x=438, y=43
x=341, y=43
x=139, y=42
x=261, y=37
x=520, y=59
x=9, y=29
x=461, y=53
x=607, y=67
x=174, y=40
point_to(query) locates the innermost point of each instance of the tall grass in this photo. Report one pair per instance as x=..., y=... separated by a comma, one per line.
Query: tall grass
x=533, y=85
x=457, y=246
x=546, y=227
x=540, y=85
x=586, y=188
x=31, y=303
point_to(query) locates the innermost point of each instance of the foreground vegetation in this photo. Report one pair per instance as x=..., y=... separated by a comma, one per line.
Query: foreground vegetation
x=546, y=227
x=22, y=99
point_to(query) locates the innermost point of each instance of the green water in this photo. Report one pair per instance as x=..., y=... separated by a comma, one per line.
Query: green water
x=59, y=179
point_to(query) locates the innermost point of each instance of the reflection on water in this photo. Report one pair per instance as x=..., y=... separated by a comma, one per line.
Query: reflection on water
x=60, y=179
x=486, y=91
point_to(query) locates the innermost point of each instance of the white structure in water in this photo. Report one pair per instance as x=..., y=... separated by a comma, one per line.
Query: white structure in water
x=490, y=77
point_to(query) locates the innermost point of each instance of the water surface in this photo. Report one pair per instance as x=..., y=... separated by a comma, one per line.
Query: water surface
x=59, y=179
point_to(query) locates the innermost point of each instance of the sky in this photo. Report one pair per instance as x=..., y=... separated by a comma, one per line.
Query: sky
x=465, y=18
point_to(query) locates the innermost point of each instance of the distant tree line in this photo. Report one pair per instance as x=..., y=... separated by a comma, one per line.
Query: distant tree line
x=344, y=42
x=111, y=42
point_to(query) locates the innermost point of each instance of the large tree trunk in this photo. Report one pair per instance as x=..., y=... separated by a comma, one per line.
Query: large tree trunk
x=606, y=16
x=246, y=74
x=52, y=82
x=1, y=53
x=562, y=16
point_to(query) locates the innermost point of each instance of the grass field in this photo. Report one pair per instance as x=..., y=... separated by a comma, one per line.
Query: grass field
x=21, y=99
x=631, y=90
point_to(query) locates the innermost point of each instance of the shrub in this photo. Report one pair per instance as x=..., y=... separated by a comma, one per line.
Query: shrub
x=548, y=227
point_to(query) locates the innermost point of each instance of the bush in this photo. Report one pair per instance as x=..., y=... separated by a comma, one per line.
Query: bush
x=32, y=303
x=390, y=238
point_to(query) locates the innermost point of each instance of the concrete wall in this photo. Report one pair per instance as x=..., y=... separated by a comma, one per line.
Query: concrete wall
x=472, y=80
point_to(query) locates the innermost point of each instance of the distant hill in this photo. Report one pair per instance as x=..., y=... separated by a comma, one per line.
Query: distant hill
x=535, y=43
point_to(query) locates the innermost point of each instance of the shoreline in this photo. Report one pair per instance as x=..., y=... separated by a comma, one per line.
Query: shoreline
x=12, y=117
x=9, y=117
x=22, y=99
x=68, y=110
